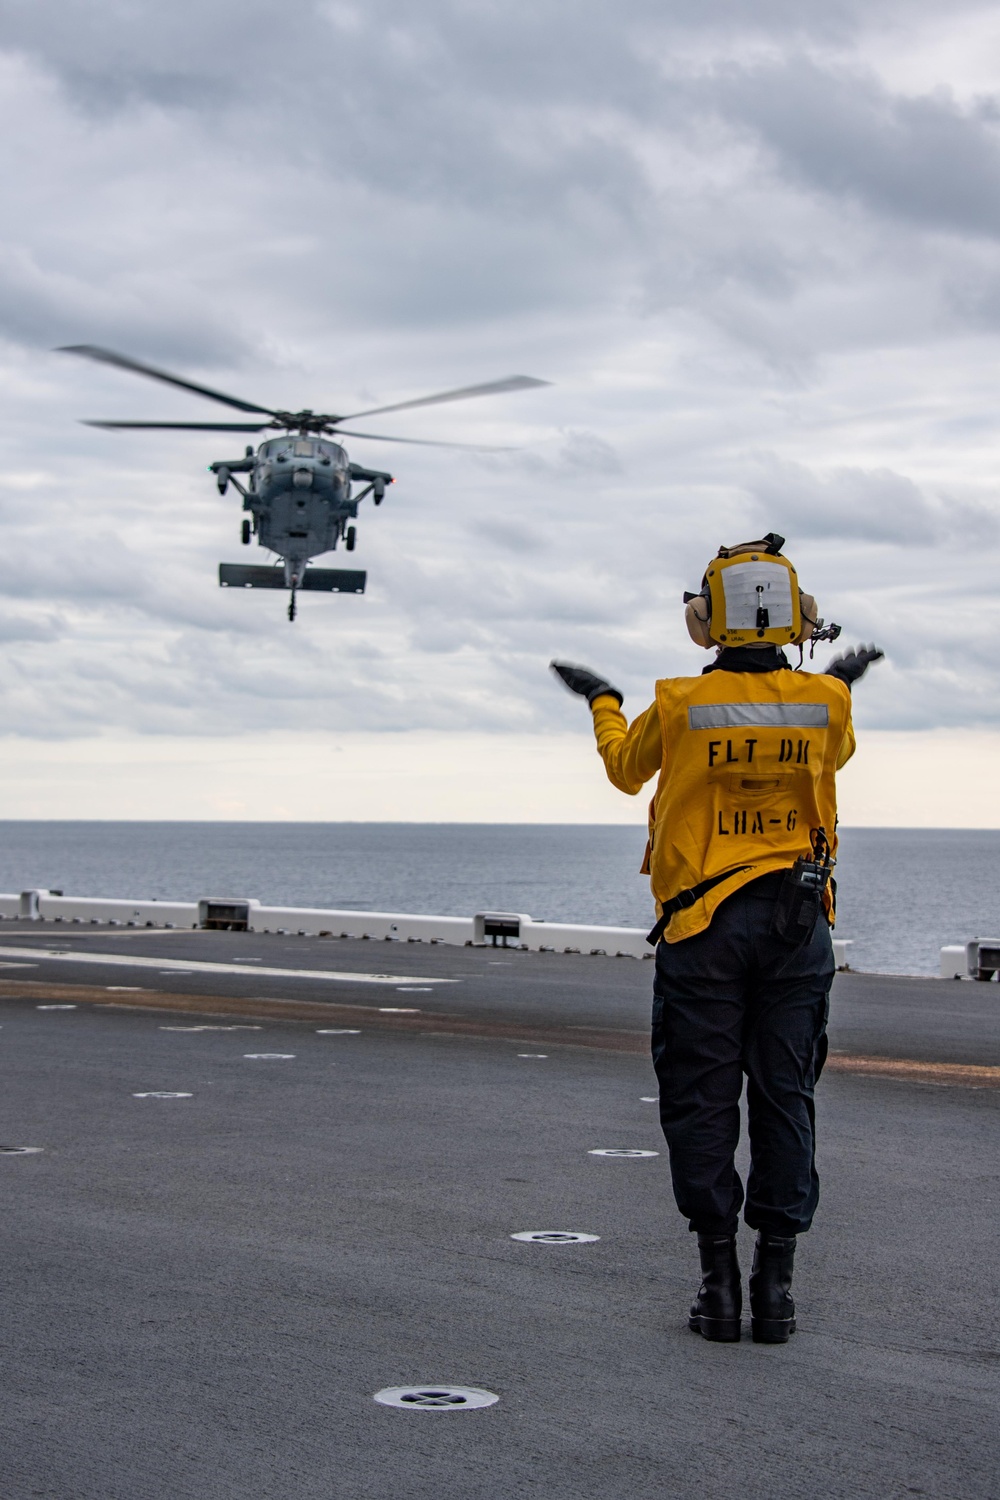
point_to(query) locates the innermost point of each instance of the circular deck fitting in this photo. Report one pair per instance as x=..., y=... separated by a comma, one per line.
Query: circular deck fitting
x=555, y=1237
x=532, y=1054
x=435, y=1397
x=338, y=1031
x=621, y=1151
x=162, y=1094
x=21, y=1150
x=55, y=1007
x=269, y=1056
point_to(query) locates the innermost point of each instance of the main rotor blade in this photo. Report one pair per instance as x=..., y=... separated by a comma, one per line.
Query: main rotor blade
x=122, y=361
x=380, y=437
x=188, y=426
x=491, y=388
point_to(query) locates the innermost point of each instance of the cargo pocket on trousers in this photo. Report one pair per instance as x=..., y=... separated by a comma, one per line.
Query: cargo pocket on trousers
x=657, y=1030
x=821, y=1044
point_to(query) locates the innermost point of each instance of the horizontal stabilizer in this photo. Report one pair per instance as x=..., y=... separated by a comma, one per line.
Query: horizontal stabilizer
x=335, y=580
x=316, y=580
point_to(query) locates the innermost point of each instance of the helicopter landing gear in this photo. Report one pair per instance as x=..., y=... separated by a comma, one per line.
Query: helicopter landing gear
x=291, y=606
x=246, y=533
x=351, y=537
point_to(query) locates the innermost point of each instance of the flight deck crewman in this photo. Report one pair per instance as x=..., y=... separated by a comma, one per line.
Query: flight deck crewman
x=742, y=838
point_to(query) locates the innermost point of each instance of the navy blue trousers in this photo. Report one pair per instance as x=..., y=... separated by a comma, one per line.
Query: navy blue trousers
x=738, y=1000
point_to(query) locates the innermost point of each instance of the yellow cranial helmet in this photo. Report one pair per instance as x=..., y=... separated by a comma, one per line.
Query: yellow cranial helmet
x=750, y=596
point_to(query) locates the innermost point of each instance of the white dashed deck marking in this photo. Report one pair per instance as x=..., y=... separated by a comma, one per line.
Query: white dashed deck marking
x=188, y=966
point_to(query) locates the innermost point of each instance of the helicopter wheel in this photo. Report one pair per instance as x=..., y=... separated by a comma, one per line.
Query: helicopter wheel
x=246, y=533
x=291, y=606
x=352, y=533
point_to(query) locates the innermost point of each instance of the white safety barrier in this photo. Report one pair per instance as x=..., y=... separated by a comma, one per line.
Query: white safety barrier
x=51, y=906
x=400, y=926
x=954, y=961
x=979, y=958
x=516, y=929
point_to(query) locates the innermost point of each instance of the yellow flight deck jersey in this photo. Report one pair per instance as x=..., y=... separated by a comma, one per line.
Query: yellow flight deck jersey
x=746, y=764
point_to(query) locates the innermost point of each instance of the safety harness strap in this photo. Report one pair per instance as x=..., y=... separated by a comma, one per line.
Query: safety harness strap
x=687, y=898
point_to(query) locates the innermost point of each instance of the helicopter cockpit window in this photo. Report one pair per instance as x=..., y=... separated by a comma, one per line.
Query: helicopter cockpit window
x=331, y=452
x=303, y=448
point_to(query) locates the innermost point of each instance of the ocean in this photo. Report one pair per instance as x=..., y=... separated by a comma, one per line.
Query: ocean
x=903, y=892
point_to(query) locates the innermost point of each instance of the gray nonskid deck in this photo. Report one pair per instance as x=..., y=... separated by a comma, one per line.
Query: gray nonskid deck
x=209, y=1291
x=204, y=1293
x=934, y=1020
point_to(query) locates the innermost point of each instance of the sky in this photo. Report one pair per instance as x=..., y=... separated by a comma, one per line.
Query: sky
x=754, y=248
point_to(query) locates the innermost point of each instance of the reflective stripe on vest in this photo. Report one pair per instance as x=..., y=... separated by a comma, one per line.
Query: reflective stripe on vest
x=759, y=715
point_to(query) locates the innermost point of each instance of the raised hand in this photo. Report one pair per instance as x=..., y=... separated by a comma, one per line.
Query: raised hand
x=581, y=680
x=853, y=665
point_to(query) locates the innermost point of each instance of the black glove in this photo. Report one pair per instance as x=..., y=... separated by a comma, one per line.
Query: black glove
x=853, y=664
x=587, y=684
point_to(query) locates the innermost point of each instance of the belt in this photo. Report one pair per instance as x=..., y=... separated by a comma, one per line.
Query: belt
x=687, y=898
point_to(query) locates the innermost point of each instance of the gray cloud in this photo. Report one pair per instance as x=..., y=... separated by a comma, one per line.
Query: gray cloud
x=927, y=159
x=759, y=276
x=877, y=506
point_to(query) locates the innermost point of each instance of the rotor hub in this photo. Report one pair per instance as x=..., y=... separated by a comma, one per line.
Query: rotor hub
x=303, y=421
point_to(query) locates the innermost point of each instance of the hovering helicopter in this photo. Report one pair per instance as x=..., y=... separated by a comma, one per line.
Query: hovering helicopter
x=298, y=488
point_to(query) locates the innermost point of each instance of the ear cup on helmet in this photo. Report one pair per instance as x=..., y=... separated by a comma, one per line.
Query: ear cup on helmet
x=808, y=607
x=696, y=618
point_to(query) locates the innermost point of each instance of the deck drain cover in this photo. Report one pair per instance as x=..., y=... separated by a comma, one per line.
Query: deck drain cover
x=621, y=1151
x=55, y=1007
x=268, y=1056
x=161, y=1094
x=20, y=1150
x=555, y=1237
x=435, y=1397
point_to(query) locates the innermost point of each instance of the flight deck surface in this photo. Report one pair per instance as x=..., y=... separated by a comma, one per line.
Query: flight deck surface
x=205, y=1292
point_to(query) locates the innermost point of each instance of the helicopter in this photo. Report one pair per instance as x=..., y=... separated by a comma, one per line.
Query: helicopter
x=298, y=489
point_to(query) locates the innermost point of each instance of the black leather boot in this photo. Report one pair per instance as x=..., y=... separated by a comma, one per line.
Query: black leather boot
x=716, y=1310
x=772, y=1311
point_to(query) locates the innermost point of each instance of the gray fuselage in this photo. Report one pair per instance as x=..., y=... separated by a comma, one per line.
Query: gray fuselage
x=300, y=496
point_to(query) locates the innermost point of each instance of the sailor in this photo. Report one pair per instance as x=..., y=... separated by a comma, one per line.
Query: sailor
x=742, y=841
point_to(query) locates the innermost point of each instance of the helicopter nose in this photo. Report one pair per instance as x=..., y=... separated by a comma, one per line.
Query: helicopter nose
x=302, y=479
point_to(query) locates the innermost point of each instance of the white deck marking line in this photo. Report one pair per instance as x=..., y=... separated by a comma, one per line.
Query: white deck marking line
x=192, y=966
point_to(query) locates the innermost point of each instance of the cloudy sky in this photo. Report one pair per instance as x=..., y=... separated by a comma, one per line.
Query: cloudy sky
x=754, y=246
